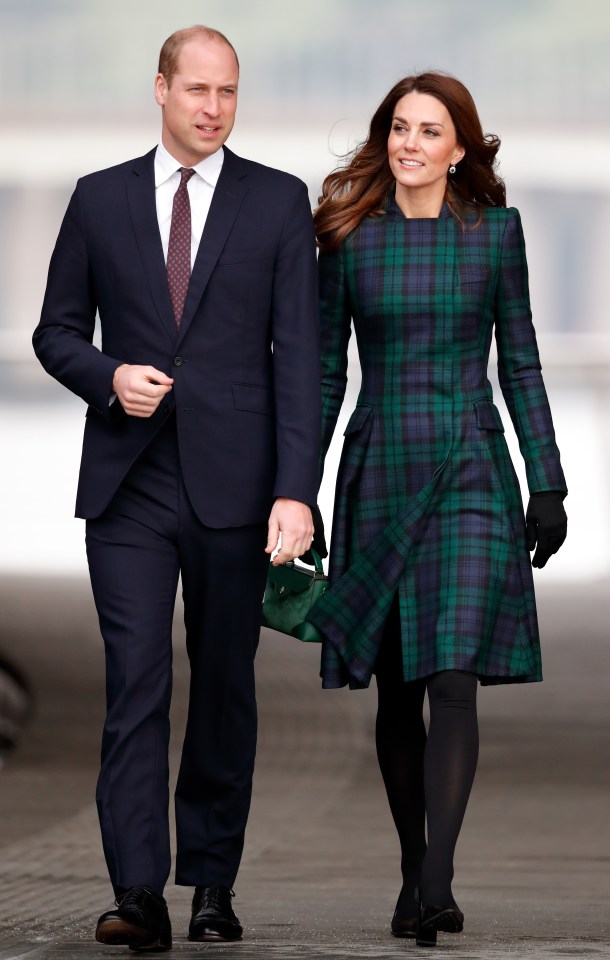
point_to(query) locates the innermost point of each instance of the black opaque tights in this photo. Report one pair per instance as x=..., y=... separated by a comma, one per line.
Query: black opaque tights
x=428, y=777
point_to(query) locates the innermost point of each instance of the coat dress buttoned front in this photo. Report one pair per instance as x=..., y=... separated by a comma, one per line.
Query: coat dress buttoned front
x=428, y=504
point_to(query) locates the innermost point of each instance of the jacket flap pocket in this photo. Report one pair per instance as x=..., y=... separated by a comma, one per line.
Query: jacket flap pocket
x=253, y=398
x=488, y=415
x=471, y=273
x=357, y=419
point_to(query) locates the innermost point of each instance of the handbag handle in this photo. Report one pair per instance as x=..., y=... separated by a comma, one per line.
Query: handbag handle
x=317, y=562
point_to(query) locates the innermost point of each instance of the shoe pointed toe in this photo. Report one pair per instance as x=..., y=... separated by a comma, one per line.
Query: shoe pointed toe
x=404, y=921
x=405, y=927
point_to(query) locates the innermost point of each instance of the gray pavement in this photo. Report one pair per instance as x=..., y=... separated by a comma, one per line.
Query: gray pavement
x=320, y=873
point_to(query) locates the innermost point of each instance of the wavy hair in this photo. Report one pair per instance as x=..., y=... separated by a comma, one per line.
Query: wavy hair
x=361, y=187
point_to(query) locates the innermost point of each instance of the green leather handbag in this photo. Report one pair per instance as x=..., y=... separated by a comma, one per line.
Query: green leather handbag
x=291, y=592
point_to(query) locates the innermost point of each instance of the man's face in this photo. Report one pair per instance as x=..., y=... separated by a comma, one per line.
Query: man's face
x=199, y=106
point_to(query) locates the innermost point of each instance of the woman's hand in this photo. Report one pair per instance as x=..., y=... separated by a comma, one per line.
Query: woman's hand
x=546, y=525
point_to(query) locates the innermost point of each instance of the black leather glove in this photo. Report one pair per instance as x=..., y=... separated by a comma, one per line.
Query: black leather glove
x=546, y=525
x=319, y=541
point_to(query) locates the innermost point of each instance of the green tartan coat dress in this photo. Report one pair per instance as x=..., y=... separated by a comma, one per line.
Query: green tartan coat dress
x=427, y=502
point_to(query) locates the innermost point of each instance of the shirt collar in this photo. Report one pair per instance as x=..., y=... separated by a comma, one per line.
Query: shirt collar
x=208, y=169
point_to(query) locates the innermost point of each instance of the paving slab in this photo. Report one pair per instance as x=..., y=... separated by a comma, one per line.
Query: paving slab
x=320, y=873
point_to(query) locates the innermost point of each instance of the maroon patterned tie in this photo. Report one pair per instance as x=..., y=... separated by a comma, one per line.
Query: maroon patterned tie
x=179, y=247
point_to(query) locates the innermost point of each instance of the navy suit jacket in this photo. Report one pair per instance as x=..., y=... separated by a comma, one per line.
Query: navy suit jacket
x=245, y=361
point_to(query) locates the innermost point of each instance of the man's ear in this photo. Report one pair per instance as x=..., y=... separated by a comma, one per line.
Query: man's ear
x=160, y=89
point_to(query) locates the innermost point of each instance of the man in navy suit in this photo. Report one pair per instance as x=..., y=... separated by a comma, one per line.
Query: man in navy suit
x=199, y=459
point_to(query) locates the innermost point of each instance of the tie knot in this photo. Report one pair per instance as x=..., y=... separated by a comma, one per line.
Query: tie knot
x=185, y=173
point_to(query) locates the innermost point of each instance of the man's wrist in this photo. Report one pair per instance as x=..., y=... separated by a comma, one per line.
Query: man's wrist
x=114, y=376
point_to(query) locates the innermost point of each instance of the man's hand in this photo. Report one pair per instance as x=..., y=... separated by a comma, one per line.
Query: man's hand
x=140, y=389
x=291, y=520
x=319, y=540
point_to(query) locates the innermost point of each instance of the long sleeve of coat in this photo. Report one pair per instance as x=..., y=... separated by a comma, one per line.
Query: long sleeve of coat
x=519, y=369
x=335, y=317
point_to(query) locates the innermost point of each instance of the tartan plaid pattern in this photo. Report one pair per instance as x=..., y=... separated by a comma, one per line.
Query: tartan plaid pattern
x=427, y=500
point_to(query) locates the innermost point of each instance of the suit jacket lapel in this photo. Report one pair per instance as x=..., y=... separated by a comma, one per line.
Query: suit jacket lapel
x=141, y=198
x=228, y=195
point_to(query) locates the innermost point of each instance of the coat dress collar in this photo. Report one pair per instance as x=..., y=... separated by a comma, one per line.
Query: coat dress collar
x=394, y=214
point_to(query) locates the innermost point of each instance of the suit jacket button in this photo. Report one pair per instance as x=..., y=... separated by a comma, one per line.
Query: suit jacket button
x=177, y=361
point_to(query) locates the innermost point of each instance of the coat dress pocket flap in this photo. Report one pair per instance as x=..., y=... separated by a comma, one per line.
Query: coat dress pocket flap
x=488, y=415
x=471, y=273
x=253, y=398
x=357, y=419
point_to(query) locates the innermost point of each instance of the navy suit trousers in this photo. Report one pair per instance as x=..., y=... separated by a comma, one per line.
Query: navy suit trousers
x=147, y=538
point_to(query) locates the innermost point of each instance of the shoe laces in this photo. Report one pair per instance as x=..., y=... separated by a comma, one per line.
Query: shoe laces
x=217, y=897
x=134, y=899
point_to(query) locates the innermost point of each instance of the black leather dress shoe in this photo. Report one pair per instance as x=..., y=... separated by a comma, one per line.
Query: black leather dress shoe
x=212, y=916
x=140, y=921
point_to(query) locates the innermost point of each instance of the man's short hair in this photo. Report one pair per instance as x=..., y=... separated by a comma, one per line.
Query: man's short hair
x=170, y=51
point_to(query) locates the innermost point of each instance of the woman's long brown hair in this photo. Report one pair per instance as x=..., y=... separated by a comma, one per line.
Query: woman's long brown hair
x=362, y=187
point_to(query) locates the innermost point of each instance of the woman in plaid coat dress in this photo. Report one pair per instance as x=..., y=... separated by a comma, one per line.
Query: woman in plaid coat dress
x=431, y=583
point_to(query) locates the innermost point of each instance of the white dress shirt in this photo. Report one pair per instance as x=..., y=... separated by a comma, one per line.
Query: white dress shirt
x=200, y=189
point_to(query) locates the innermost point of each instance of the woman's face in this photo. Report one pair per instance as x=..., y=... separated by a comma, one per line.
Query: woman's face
x=422, y=143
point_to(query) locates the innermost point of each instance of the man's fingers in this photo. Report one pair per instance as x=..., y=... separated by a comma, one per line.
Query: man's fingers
x=139, y=406
x=291, y=521
x=143, y=412
x=273, y=535
x=132, y=381
x=157, y=376
x=142, y=399
x=139, y=411
x=143, y=387
x=140, y=389
x=292, y=547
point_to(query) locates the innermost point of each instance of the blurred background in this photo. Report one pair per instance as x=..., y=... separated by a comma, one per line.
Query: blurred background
x=77, y=95
x=76, y=79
